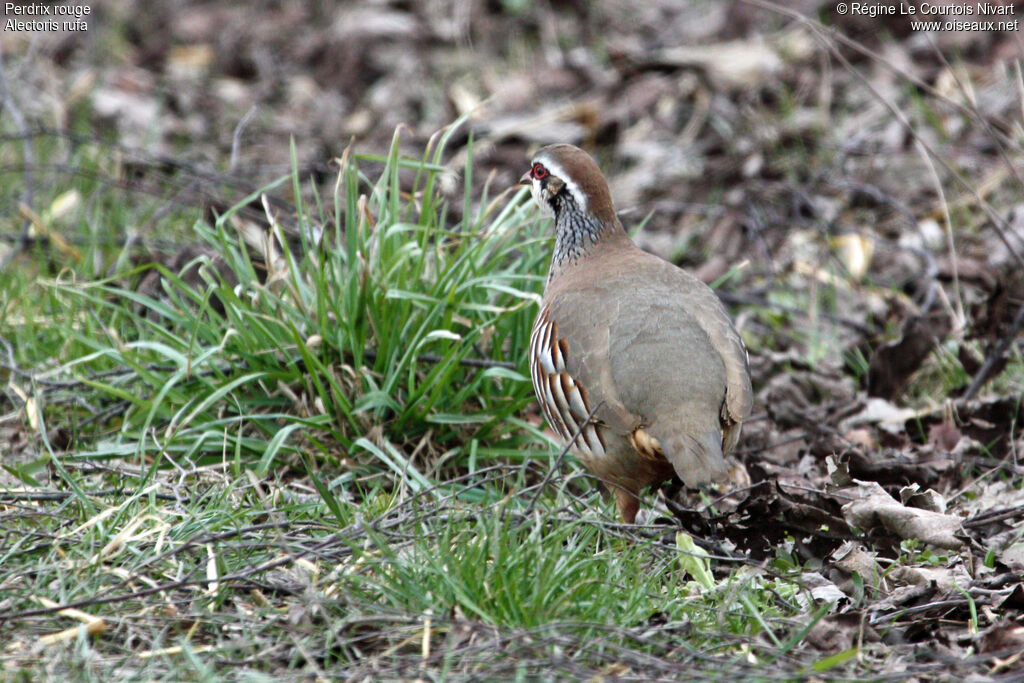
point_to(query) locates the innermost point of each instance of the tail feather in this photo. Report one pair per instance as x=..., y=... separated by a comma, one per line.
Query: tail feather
x=697, y=458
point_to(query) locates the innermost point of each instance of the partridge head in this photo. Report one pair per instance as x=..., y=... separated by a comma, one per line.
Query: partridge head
x=632, y=358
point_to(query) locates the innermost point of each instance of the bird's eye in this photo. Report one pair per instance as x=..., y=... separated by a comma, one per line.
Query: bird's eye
x=539, y=171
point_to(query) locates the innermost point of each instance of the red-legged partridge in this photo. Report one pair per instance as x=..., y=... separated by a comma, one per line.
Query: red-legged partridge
x=642, y=347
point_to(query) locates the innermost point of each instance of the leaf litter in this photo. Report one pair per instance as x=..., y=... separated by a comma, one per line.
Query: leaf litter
x=881, y=293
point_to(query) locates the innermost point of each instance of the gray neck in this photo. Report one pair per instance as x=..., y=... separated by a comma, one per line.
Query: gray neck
x=576, y=234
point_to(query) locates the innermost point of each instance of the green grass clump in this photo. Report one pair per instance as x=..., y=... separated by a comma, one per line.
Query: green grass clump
x=357, y=348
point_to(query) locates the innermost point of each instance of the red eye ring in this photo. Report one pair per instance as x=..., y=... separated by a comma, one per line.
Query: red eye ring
x=539, y=172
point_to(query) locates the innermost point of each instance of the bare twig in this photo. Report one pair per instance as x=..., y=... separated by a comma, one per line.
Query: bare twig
x=990, y=516
x=556, y=466
x=994, y=356
x=468, y=362
x=239, y=366
x=9, y=496
x=236, y=138
x=135, y=236
x=745, y=299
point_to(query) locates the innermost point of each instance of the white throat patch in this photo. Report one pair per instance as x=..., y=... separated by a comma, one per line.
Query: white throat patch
x=540, y=200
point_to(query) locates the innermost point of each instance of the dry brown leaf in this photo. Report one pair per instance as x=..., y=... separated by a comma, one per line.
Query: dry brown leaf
x=893, y=363
x=925, y=500
x=738, y=64
x=821, y=589
x=875, y=508
x=853, y=558
x=946, y=578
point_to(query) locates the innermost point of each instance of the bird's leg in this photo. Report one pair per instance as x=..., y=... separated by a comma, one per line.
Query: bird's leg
x=628, y=504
